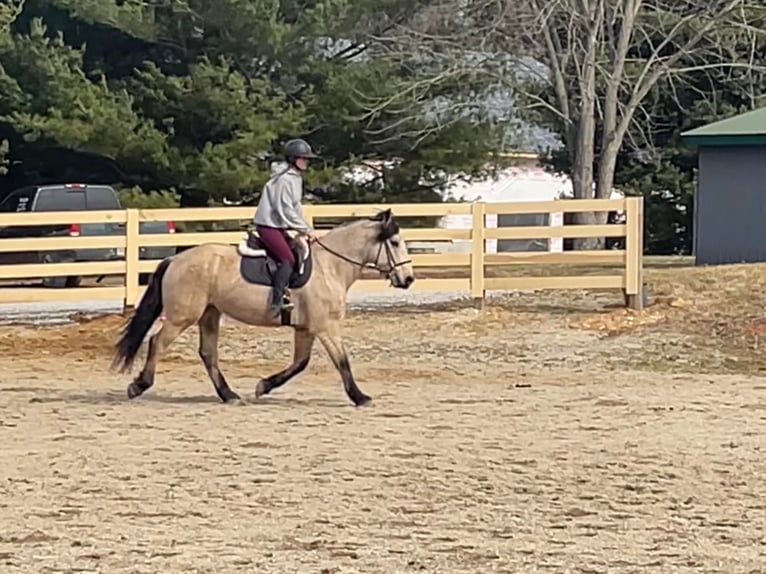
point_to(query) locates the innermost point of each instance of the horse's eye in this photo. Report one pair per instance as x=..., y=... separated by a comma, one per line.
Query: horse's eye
x=394, y=243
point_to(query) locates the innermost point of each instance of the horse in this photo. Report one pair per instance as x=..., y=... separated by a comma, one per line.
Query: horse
x=199, y=285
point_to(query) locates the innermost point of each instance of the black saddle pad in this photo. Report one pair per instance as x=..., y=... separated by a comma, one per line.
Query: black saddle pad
x=260, y=270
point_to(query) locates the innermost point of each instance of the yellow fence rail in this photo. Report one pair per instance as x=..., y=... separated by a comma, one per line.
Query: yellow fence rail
x=35, y=264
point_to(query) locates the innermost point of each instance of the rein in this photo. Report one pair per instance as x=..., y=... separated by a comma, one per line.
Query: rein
x=392, y=264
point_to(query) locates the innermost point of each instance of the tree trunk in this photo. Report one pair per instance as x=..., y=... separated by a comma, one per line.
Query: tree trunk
x=590, y=218
x=582, y=171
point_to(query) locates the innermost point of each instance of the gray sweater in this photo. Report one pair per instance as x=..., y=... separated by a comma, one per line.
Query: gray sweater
x=280, y=203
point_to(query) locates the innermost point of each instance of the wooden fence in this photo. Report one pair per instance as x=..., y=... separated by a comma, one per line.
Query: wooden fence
x=475, y=262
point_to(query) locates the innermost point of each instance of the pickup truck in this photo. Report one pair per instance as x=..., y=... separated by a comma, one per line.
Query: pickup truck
x=72, y=197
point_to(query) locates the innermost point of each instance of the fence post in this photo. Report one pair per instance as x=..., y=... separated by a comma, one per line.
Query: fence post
x=131, y=258
x=478, y=236
x=634, y=256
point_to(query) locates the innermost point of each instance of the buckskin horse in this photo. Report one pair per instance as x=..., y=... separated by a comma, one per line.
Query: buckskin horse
x=201, y=284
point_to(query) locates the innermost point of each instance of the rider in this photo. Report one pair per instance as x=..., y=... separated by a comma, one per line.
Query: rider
x=279, y=209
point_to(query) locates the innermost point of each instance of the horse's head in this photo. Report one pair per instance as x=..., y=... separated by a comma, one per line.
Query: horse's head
x=389, y=253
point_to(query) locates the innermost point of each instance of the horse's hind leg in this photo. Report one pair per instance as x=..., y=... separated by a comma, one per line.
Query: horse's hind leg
x=209, y=329
x=158, y=344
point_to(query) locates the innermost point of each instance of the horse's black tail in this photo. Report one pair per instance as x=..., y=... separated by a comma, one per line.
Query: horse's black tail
x=135, y=330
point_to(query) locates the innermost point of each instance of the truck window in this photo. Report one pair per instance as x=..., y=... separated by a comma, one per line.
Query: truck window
x=60, y=199
x=102, y=198
x=16, y=202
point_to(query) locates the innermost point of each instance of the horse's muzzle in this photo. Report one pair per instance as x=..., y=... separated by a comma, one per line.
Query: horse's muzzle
x=404, y=283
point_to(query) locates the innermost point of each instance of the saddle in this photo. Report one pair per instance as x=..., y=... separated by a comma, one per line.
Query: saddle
x=258, y=267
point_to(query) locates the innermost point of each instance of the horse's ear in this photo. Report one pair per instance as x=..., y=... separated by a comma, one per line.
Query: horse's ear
x=388, y=226
x=382, y=216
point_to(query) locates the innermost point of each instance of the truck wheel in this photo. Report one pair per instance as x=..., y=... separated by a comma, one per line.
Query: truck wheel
x=55, y=282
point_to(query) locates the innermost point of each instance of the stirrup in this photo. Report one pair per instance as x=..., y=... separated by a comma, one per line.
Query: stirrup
x=284, y=305
x=285, y=313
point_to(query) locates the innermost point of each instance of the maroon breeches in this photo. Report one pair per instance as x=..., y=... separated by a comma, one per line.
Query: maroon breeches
x=276, y=242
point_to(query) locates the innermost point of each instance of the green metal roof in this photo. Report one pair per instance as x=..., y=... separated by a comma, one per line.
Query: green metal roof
x=743, y=129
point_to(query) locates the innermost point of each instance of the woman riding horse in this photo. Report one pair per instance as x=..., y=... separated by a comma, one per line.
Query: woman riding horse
x=280, y=209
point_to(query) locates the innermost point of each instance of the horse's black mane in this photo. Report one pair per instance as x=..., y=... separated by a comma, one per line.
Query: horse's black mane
x=388, y=224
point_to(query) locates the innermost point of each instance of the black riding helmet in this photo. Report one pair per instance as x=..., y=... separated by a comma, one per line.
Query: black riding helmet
x=296, y=148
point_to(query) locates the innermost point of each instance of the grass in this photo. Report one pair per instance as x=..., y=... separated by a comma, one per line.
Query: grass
x=552, y=270
x=699, y=319
x=707, y=319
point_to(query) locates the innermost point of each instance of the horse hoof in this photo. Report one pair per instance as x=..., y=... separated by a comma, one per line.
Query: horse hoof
x=363, y=401
x=235, y=401
x=261, y=389
x=135, y=390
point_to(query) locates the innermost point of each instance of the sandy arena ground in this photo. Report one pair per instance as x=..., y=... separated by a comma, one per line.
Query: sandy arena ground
x=511, y=442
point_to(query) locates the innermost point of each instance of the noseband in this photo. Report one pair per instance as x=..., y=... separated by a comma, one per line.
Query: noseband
x=390, y=260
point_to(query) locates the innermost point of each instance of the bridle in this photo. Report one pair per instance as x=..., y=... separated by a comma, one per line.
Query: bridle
x=390, y=259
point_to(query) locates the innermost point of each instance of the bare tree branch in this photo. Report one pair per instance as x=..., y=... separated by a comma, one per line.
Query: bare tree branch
x=600, y=60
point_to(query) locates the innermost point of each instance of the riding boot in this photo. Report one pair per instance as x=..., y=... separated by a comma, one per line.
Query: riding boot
x=280, y=283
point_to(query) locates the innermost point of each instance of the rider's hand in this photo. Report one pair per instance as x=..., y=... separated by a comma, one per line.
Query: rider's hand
x=312, y=236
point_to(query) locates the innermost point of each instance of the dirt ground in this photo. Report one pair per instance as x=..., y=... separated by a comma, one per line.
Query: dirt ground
x=552, y=433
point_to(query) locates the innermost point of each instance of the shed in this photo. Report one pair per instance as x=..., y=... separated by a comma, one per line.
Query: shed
x=730, y=203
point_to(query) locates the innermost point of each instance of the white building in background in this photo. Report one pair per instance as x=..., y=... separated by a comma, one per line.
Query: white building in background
x=518, y=183
x=526, y=181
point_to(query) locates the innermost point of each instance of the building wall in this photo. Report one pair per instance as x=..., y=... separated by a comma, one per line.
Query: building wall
x=523, y=220
x=730, y=207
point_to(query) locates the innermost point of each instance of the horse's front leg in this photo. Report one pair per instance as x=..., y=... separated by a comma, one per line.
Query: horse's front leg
x=332, y=341
x=303, y=342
